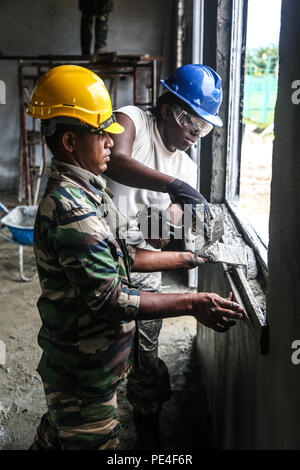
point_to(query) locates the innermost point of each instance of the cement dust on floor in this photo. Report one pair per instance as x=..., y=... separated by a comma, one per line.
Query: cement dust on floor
x=185, y=421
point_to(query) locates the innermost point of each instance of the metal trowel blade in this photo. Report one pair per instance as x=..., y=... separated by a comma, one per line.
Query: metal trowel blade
x=224, y=253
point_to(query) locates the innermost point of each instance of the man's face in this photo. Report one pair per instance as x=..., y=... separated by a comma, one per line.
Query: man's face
x=177, y=136
x=93, y=152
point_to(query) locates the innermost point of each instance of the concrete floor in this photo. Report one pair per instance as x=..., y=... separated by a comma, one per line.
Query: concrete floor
x=185, y=422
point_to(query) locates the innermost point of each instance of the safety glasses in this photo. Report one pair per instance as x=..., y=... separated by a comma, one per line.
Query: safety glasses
x=48, y=126
x=187, y=120
x=104, y=125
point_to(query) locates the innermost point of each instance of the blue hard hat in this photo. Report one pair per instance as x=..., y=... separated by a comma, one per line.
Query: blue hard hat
x=200, y=87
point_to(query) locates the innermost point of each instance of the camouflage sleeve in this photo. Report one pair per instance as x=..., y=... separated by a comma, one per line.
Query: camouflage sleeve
x=131, y=253
x=93, y=263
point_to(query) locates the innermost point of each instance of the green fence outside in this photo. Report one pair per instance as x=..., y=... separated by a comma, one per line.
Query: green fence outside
x=260, y=92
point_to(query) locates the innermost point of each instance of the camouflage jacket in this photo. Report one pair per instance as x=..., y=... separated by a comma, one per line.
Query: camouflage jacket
x=83, y=272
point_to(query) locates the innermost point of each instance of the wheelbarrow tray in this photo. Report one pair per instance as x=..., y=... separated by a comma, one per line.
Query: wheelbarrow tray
x=20, y=222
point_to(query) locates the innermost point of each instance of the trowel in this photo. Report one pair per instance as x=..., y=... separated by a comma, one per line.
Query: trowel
x=155, y=223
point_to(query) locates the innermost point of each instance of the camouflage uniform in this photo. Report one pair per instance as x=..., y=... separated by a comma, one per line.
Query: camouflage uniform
x=100, y=10
x=149, y=385
x=87, y=350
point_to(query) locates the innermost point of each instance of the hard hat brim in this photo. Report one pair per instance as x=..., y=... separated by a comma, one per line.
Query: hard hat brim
x=215, y=120
x=115, y=128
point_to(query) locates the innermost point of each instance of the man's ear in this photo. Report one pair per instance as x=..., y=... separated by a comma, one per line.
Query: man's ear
x=165, y=111
x=69, y=141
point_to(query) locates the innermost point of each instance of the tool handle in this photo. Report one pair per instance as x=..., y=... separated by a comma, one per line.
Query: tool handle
x=3, y=208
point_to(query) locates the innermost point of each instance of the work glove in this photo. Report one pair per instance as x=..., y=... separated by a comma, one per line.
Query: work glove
x=182, y=193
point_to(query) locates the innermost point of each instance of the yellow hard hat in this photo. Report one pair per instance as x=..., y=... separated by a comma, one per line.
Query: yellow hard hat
x=74, y=92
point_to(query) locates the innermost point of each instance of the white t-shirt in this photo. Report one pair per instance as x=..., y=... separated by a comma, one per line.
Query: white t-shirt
x=148, y=148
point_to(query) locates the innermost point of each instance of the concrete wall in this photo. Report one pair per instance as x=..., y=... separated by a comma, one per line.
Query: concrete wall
x=254, y=398
x=52, y=27
x=229, y=367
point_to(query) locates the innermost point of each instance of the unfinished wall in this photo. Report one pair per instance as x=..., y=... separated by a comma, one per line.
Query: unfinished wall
x=284, y=248
x=254, y=398
x=216, y=53
x=52, y=27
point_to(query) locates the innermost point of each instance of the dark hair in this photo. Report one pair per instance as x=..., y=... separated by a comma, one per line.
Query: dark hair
x=169, y=98
x=53, y=140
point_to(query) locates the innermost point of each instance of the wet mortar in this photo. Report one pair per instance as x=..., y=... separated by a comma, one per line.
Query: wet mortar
x=185, y=422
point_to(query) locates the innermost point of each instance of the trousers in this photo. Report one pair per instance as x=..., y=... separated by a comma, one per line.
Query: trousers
x=94, y=17
x=149, y=385
x=74, y=424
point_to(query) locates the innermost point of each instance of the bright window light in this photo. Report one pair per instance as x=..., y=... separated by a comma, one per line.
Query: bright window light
x=260, y=93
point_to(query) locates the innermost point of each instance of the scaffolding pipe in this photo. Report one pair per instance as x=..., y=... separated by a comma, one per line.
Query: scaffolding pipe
x=25, y=153
x=197, y=58
x=122, y=66
x=180, y=12
x=41, y=172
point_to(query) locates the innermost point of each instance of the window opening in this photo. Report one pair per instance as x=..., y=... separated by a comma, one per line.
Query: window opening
x=260, y=93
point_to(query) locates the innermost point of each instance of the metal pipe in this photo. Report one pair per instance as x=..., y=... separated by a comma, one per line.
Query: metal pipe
x=41, y=172
x=197, y=58
x=180, y=12
x=198, y=31
x=24, y=136
x=135, y=78
x=21, y=170
x=154, y=83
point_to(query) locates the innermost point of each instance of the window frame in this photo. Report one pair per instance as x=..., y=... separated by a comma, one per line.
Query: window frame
x=234, y=131
x=239, y=284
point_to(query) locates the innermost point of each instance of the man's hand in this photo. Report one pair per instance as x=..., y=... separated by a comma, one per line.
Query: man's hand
x=216, y=312
x=191, y=261
x=183, y=194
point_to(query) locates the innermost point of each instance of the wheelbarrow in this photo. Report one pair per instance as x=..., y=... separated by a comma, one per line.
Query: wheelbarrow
x=20, y=222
